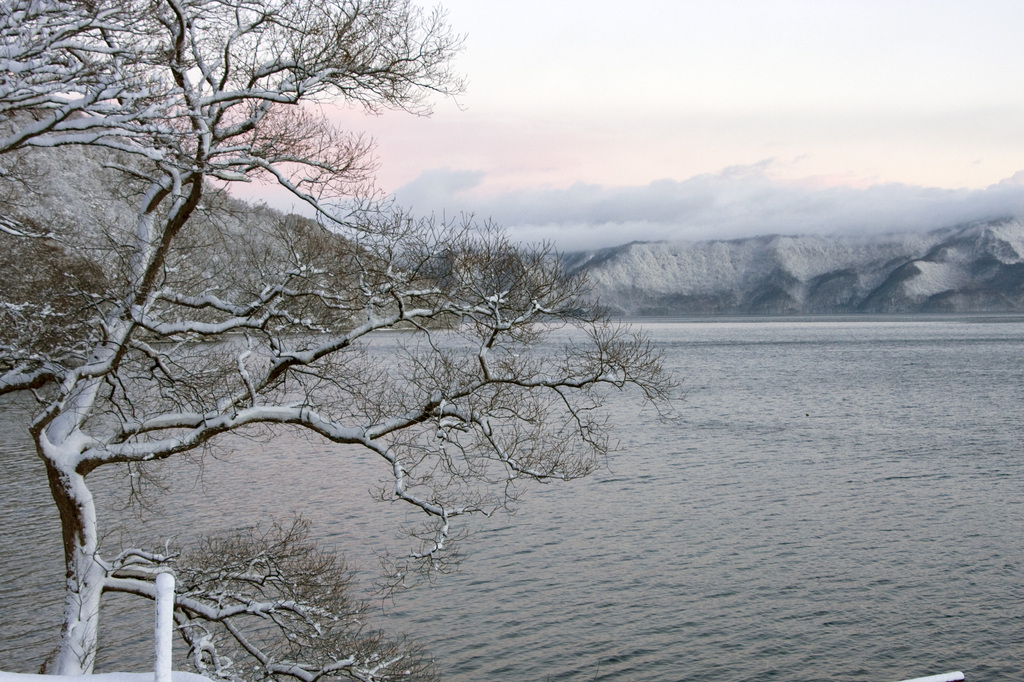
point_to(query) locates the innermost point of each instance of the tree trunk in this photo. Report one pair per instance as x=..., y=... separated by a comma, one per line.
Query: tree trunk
x=85, y=572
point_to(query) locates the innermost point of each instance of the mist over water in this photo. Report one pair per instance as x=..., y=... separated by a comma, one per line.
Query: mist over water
x=833, y=499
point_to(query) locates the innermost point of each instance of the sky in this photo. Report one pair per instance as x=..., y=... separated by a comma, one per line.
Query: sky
x=596, y=123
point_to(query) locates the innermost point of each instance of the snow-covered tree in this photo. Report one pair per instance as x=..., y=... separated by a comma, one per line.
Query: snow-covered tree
x=270, y=603
x=156, y=332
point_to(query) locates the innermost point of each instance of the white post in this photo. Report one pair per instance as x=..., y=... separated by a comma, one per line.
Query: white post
x=164, y=626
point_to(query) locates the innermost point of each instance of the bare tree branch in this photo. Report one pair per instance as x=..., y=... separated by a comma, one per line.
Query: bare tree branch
x=154, y=325
x=275, y=599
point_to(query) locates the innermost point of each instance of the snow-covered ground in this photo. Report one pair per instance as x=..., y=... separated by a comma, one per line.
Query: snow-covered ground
x=103, y=677
x=191, y=677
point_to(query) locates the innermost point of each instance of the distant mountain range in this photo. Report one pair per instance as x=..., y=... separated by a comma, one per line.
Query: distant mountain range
x=969, y=268
x=973, y=268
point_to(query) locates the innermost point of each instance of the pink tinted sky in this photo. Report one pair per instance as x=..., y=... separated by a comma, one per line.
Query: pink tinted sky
x=805, y=109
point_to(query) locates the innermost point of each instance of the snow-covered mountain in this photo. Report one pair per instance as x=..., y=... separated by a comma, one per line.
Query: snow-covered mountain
x=979, y=267
x=973, y=268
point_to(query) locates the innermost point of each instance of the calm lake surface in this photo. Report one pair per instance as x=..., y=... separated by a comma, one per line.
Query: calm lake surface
x=834, y=499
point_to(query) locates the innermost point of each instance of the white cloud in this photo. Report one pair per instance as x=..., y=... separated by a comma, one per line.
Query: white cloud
x=739, y=201
x=443, y=183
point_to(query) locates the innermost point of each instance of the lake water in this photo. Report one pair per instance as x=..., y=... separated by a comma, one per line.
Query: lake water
x=833, y=499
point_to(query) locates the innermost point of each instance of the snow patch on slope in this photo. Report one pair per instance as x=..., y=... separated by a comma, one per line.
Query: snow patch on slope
x=934, y=278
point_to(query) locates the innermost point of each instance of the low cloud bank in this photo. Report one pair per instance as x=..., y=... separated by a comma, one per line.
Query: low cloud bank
x=736, y=202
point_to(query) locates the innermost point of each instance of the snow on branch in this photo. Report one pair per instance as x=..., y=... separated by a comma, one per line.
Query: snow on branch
x=162, y=315
x=296, y=593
